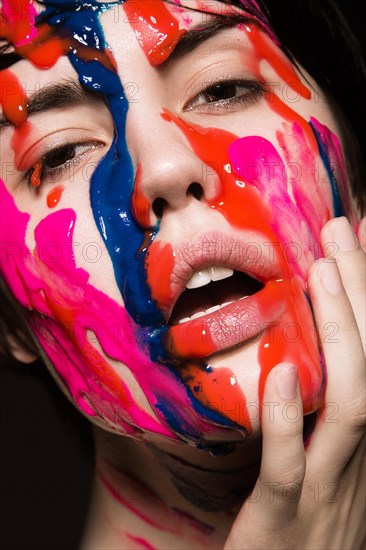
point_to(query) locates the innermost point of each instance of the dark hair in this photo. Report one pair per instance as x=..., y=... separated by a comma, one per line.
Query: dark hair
x=315, y=34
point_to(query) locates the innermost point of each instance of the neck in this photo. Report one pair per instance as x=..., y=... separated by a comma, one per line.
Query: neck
x=166, y=495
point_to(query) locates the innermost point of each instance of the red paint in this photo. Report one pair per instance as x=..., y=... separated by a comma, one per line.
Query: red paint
x=240, y=205
x=13, y=98
x=87, y=53
x=140, y=204
x=281, y=302
x=293, y=340
x=218, y=390
x=54, y=196
x=159, y=267
x=265, y=49
x=37, y=173
x=287, y=113
x=156, y=29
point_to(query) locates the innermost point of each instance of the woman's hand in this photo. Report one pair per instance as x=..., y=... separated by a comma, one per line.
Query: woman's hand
x=315, y=499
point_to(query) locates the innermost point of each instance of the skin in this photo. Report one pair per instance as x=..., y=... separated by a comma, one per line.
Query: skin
x=166, y=174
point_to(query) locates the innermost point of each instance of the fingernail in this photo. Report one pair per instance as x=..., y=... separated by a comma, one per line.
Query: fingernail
x=343, y=234
x=287, y=382
x=330, y=277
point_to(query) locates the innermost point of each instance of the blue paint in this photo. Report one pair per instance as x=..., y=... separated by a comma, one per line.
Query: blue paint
x=110, y=195
x=323, y=150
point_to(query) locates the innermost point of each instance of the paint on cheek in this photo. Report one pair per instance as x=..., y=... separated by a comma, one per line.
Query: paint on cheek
x=74, y=314
x=54, y=196
x=333, y=160
x=156, y=29
x=281, y=303
x=159, y=266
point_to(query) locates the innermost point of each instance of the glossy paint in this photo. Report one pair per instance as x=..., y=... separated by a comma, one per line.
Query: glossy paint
x=170, y=363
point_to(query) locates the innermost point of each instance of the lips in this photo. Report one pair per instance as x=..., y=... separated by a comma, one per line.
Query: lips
x=210, y=290
x=222, y=293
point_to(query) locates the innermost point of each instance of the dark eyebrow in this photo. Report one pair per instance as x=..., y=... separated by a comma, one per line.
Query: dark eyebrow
x=66, y=93
x=201, y=32
x=69, y=92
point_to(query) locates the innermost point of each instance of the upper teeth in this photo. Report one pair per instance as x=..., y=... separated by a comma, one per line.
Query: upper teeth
x=206, y=275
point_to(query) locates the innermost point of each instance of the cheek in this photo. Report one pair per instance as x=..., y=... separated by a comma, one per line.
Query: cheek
x=67, y=313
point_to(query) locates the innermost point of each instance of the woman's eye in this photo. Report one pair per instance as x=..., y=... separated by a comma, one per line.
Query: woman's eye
x=56, y=162
x=226, y=93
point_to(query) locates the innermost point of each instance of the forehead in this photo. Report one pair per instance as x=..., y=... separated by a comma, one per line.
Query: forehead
x=134, y=32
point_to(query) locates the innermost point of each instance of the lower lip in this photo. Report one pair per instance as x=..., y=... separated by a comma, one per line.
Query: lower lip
x=229, y=326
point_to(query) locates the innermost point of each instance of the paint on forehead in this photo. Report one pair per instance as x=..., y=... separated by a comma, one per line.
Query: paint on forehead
x=13, y=99
x=156, y=29
x=17, y=25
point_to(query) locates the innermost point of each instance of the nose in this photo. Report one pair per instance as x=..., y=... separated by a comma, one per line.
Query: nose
x=170, y=175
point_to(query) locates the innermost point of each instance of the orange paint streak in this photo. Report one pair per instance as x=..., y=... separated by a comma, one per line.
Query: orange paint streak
x=265, y=49
x=54, y=196
x=13, y=98
x=218, y=390
x=37, y=173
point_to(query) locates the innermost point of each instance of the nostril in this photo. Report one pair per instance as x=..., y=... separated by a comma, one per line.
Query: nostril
x=196, y=190
x=158, y=207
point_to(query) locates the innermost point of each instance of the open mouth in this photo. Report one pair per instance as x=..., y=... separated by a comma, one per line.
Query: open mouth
x=210, y=289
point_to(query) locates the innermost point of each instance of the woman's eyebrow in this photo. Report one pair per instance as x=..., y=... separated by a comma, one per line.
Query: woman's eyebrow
x=66, y=93
x=203, y=31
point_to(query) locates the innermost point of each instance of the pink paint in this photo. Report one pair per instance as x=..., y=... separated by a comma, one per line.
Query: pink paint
x=148, y=507
x=291, y=336
x=141, y=543
x=45, y=282
x=334, y=153
x=18, y=25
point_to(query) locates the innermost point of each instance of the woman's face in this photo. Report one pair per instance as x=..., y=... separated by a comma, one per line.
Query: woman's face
x=159, y=223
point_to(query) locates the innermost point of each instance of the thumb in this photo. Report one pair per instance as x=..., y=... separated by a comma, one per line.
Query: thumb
x=275, y=497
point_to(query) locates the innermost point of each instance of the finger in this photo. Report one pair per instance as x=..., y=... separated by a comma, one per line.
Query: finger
x=339, y=241
x=340, y=425
x=278, y=490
